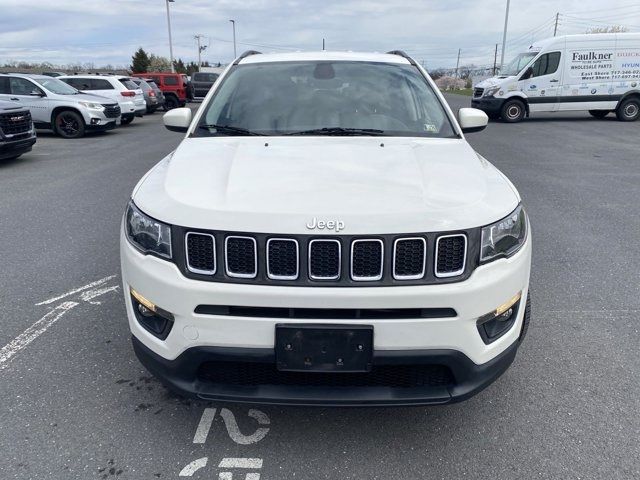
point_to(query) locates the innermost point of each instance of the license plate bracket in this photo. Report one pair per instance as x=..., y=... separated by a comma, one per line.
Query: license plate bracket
x=324, y=348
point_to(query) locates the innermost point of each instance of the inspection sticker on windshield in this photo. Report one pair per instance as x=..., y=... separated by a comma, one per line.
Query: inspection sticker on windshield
x=430, y=128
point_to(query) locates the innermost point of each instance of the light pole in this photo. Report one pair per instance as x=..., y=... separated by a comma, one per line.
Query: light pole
x=504, y=35
x=235, y=54
x=173, y=70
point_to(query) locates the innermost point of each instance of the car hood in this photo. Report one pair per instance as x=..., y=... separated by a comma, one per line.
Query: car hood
x=494, y=81
x=90, y=97
x=280, y=184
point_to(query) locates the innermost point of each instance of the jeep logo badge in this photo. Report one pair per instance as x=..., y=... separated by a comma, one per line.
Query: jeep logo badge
x=316, y=224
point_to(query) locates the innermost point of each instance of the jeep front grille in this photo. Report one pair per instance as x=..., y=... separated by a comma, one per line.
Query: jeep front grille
x=344, y=260
x=451, y=255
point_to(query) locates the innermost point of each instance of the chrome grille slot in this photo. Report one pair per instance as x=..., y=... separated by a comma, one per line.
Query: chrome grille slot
x=201, y=253
x=367, y=259
x=241, y=257
x=451, y=253
x=282, y=259
x=409, y=258
x=324, y=259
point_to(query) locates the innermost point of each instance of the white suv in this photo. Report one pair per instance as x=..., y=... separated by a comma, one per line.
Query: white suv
x=58, y=106
x=121, y=89
x=324, y=234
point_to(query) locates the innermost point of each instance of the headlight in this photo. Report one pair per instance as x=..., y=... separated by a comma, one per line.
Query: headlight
x=504, y=238
x=147, y=234
x=92, y=106
x=490, y=92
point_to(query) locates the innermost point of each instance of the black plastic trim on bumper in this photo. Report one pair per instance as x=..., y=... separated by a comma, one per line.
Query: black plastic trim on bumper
x=101, y=128
x=488, y=105
x=180, y=375
x=16, y=148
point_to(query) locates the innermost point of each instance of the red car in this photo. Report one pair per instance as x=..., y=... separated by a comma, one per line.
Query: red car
x=173, y=85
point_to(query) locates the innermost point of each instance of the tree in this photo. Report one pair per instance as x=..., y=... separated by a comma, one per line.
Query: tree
x=179, y=66
x=140, y=61
x=158, y=64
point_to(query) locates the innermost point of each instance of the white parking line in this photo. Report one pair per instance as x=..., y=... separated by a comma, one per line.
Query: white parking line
x=89, y=295
x=77, y=290
x=193, y=467
x=252, y=463
x=33, y=332
x=204, y=426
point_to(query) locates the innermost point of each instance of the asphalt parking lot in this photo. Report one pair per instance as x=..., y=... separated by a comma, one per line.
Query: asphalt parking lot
x=76, y=404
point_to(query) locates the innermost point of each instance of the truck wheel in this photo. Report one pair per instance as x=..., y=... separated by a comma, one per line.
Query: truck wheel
x=171, y=102
x=69, y=124
x=628, y=110
x=512, y=111
x=599, y=113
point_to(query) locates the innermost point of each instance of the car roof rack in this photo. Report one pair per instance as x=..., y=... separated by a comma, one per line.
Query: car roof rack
x=246, y=54
x=402, y=54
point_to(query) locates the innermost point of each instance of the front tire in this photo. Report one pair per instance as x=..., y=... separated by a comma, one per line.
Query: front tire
x=599, y=113
x=171, y=102
x=513, y=111
x=629, y=110
x=126, y=120
x=69, y=124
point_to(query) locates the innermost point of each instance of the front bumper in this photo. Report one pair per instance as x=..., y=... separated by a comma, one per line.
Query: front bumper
x=454, y=342
x=489, y=105
x=13, y=148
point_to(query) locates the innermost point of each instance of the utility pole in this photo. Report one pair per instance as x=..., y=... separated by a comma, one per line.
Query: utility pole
x=555, y=29
x=173, y=69
x=495, y=60
x=200, y=48
x=235, y=53
x=323, y=44
x=504, y=35
x=458, y=62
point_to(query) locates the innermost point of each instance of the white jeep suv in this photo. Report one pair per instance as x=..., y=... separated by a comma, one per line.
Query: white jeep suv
x=325, y=235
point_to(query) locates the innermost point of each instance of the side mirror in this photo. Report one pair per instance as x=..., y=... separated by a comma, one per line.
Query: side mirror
x=37, y=93
x=178, y=119
x=472, y=120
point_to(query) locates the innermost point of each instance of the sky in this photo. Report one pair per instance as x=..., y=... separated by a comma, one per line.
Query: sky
x=105, y=32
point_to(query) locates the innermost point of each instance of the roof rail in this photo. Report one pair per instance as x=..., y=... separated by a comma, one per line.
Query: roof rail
x=402, y=54
x=246, y=54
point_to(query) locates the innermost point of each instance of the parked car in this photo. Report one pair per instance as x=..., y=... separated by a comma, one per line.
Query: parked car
x=346, y=247
x=202, y=83
x=119, y=88
x=173, y=85
x=17, y=134
x=595, y=73
x=58, y=106
x=53, y=74
x=152, y=96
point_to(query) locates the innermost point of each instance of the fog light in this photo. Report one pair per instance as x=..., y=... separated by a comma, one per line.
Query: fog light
x=151, y=317
x=498, y=322
x=95, y=121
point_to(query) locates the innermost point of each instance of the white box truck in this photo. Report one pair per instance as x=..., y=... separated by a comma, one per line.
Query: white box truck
x=598, y=73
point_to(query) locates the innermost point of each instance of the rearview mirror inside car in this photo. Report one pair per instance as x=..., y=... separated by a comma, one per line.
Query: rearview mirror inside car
x=472, y=120
x=178, y=119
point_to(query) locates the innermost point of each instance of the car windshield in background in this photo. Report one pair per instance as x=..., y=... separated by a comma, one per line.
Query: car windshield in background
x=56, y=86
x=515, y=66
x=325, y=98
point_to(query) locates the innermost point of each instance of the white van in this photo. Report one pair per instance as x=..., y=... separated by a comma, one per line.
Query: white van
x=598, y=73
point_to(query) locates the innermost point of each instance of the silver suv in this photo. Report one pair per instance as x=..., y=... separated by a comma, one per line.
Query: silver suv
x=57, y=106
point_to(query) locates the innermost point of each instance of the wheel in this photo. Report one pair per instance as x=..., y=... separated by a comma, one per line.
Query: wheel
x=126, y=120
x=599, y=113
x=171, y=102
x=69, y=124
x=512, y=111
x=527, y=318
x=629, y=110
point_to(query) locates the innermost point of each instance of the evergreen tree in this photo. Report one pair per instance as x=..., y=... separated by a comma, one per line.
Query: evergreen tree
x=140, y=61
x=179, y=66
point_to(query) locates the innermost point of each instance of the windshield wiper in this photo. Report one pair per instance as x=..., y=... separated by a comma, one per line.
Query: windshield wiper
x=229, y=129
x=338, y=131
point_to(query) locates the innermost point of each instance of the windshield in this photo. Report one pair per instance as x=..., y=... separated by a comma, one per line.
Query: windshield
x=56, y=86
x=327, y=98
x=515, y=66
